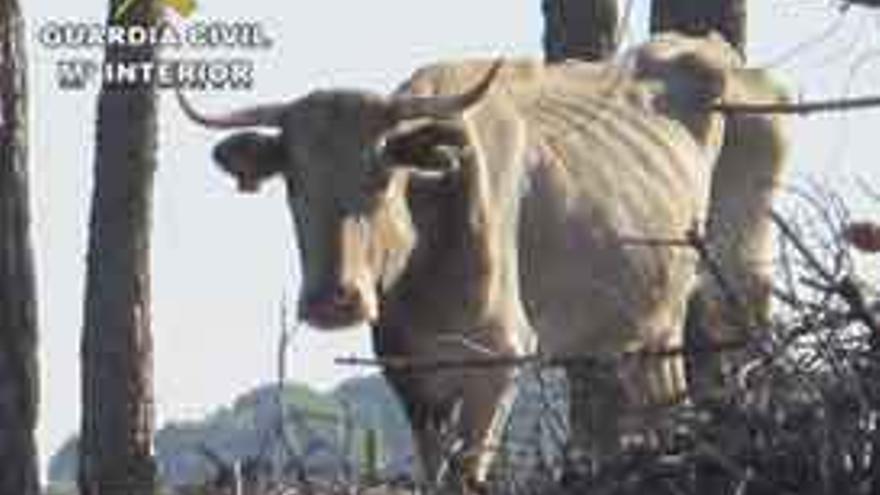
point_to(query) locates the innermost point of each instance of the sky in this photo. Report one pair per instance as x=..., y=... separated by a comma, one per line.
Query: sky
x=223, y=263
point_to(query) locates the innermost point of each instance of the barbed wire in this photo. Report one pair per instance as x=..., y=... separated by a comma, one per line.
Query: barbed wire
x=401, y=363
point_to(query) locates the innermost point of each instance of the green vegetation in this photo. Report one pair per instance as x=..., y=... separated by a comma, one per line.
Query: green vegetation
x=325, y=431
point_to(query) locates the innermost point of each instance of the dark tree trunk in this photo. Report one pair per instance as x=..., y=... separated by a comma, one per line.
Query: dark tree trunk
x=116, y=446
x=698, y=17
x=581, y=29
x=18, y=323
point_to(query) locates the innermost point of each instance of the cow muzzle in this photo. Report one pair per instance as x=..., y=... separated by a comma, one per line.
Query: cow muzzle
x=336, y=308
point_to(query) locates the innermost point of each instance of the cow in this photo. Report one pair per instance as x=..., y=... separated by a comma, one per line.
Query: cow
x=733, y=294
x=497, y=209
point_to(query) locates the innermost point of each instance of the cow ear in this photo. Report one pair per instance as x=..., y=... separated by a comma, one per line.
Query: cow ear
x=250, y=158
x=432, y=149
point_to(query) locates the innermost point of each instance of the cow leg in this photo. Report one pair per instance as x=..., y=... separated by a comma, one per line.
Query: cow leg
x=456, y=415
x=486, y=404
x=428, y=425
x=653, y=381
x=704, y=369
x=459, y=431
x=595, y=406
x=610, y=406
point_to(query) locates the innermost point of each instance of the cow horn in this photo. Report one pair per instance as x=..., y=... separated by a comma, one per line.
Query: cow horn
x=254, y=116
x=412, y=107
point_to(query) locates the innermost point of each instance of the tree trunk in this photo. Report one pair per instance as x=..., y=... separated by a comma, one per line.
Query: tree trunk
x=698, y=17
x=116, y=446
x=581, y=29
x=18, y=323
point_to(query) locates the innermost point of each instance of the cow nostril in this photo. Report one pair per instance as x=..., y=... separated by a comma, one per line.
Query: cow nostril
x=352, y=296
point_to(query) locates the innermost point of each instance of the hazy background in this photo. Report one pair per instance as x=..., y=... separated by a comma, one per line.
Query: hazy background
x=224, y=262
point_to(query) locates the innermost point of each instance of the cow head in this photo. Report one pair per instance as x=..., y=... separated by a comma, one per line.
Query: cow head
x=695, y=72
x=346, y=158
